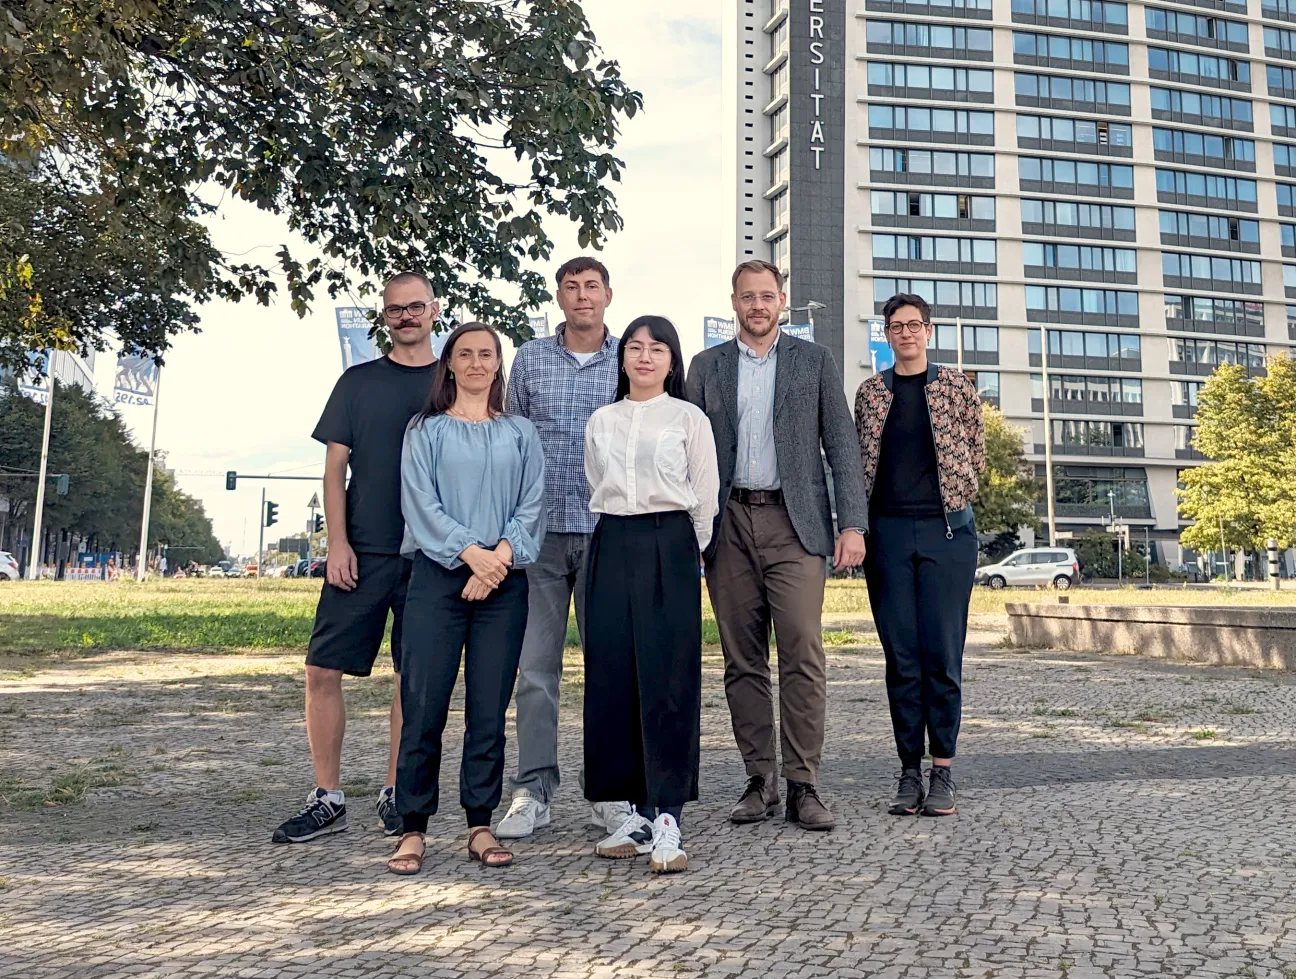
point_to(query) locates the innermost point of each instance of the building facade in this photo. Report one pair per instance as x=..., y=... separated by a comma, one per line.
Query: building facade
x=1111, y=183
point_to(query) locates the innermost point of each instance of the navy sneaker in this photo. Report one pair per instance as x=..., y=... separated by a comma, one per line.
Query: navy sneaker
x=909, y=793
x=320, y=817
x=392, y=823
x=940, y=792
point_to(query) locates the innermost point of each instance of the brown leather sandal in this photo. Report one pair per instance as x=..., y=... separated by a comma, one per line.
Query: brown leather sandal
x=400, y=863
x=487, y=856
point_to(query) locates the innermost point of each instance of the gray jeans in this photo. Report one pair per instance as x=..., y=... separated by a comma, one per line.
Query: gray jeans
x=553, y=578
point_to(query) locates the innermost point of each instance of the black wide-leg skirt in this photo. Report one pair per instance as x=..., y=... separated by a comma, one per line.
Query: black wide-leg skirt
x=643, y=660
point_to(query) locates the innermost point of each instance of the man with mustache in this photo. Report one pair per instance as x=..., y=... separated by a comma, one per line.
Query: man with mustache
x=363, y=428
x=773, y=400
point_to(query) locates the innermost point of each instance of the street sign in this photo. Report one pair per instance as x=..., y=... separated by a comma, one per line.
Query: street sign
x=314, y=504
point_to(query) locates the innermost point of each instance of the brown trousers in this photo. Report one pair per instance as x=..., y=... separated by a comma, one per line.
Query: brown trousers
x=760, y=574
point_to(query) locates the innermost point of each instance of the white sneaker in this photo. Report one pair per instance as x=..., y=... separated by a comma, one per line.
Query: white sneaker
x=668, y=856
x=526, y=815
x=633, y=838
x=608, y=816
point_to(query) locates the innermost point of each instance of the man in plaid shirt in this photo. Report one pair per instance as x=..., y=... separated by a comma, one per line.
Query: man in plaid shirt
x=558, y=382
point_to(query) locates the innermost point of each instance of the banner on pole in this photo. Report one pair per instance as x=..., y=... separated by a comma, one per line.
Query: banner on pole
x=358, y=347
x=881, y=356
x=802, y=331
x=136, y=380
x=36, y=382
x=716, y=331
x=539, y=325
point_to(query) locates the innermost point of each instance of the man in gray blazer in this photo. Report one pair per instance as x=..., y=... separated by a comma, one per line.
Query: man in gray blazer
x=773, y=400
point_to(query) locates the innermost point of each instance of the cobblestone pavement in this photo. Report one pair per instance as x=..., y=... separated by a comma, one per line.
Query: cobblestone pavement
x=1119, y=818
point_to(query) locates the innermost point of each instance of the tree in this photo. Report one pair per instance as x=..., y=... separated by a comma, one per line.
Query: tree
x=1247, y=428
x=391, y=134
x=89, y=443
x=1096, y=550
x=1008, y=490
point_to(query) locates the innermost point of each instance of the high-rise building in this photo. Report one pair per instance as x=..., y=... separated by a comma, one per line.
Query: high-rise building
x=1104, y=181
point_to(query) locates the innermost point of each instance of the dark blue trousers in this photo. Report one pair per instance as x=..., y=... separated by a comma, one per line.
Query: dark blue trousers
x=920, y=584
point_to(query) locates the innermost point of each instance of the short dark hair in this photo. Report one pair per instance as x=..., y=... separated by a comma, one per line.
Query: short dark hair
x=906, y=299
x=663, y=331
x=444, y=389
x=760, y=268
x=411, y=276
x=583, y=263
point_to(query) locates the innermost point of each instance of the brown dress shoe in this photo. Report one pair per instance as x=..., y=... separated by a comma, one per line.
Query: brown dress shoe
x=758, y=803
x=806, y=809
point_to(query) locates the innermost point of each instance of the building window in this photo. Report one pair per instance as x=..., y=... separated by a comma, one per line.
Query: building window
x=987, y=385
x=1209, y=231
x=918, y=210
x=1075, y=177
x=926, y=82
x=1188, y=28
x=779, y=167
x=779, y=209
x=1279, y=43
x=1088, y=135
x=1189, y=356
x=1230, y=193
x=980, y=344
x=1093, y=491
x=778, y=124
x=1199, y=107
x=924, y=248
x=1199, y=69
x=1210, y=272
x=1077, y=437
x=1073, y=218
x=1061, y=51
x=929, y=40
x=978, y=300
x=1202, y=149
x=1075, y=350
x=941, y=124
x=1203, y=314
x=1065, y=92
x=1079, y=14
x=1079, y=258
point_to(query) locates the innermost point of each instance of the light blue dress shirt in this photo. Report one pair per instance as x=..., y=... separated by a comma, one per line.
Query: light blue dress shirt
x=757, y=464
x=465, y=483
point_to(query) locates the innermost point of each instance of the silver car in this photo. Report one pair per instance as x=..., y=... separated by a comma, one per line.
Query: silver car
x=1056, y=566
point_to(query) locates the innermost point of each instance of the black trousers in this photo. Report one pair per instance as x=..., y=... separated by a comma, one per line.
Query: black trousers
x=643, y=660
x=920, y=584
x=440, y=626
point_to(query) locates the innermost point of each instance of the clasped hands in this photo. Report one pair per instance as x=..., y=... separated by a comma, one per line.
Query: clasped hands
x=489, y=568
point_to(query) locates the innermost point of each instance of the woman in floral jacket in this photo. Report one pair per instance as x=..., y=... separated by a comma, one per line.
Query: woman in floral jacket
x=923, y=444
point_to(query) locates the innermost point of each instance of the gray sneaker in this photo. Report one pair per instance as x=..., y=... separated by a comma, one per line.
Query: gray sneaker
x=392, y=822
x=940, y=793
x=909, y=793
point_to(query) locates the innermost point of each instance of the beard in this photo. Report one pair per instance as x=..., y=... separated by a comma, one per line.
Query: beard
x=761, y=328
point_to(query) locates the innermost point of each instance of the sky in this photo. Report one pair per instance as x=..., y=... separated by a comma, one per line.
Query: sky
x=246, y=392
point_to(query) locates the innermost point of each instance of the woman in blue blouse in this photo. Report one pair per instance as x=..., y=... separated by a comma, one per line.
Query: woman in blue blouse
x=472, y=493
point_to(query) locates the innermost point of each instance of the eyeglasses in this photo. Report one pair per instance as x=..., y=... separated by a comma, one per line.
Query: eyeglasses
x=913, y=326
x=767, y=298
x=414, y=309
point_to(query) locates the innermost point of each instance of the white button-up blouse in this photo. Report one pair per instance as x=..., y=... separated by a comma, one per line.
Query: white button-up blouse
x=653, y=457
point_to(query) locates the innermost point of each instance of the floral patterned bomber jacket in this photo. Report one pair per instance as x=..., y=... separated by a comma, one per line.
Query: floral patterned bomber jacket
x=957, y=429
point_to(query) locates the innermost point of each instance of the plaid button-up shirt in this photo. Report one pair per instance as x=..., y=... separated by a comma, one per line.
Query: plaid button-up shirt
x=558, y=394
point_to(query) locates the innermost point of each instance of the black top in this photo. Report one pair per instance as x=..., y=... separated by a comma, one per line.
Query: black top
x=368, y=410
x=907, y=482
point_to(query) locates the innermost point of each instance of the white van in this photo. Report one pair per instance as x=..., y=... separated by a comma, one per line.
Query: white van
x=1056, y=566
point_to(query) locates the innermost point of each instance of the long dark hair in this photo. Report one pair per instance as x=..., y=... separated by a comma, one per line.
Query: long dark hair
x=444, y=390
x=663, y=331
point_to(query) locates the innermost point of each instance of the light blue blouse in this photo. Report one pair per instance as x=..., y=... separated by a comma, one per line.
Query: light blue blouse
x=465, y=483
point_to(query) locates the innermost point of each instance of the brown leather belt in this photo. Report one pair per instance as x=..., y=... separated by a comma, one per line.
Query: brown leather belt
x=757, y=497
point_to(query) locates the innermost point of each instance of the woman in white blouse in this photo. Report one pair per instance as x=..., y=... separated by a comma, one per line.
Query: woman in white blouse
x=651, y=463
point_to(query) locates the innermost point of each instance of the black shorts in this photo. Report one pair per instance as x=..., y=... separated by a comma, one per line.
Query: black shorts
x=349, y=625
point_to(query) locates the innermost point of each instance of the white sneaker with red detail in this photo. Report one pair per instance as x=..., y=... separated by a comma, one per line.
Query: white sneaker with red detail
x=668, y=856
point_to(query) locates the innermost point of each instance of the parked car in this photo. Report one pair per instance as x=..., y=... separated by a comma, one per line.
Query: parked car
x=215, y=571
x=317, y=567
x=250, y=570
x=297, y=569
x=1054, y=566
x=8, y=567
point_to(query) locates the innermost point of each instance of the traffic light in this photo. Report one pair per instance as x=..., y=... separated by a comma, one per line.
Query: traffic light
x=231, y=480
x=319, y=524
x=61, y=485
x=271, y=514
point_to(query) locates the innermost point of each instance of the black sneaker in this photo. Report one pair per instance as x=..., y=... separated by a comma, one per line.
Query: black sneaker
x=940, y=792
x=320, y=818
x=392, y=823
x=909, y=793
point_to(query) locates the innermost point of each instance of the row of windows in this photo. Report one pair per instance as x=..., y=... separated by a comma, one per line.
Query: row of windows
x=1286, y=196
x=1226, y=149
x=929, y=36
x=1288, y=232
x=1214, y=352
x=942, y=8
x=1075, y=130
x=962, y=206
x=1282, y=116
x=1284, y=155
x=1195, y=25
x=940, y=292
x=1097, y=435
x=1282, y=43
x=1127, y=347
x=944, y=162
x=949, y=121
x=1208, y=185
x=1100, y=302
x=1090, y=258
x=930, y=248
x=1236, y=271
x=1070, y=89
x=1075, y=172
x=1280, y=78
x=976, y=339
x=1196, y=104
x=1210, y=226
x=1089, y=390
x=936, y=79
x=1207, y=66
x=1185, y=393
x=1111, y=53
x=1279, y=8
x=1226, y=315
x=1071, y=215
x=1094, y=11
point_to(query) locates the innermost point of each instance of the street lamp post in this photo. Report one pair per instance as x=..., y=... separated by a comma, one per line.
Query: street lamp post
x=1048, y=437
x=809, y=309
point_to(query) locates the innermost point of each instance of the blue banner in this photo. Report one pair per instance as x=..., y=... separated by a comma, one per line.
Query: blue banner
x=36, y=382
x=716, y=331
x=354, y=324
x=881, y=356
x=136, y=380
x=802, y=331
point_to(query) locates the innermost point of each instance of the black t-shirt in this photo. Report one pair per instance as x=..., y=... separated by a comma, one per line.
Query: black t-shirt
x=907, y=482
x=368, y=410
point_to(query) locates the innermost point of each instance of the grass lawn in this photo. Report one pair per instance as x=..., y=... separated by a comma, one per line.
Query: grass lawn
x=201, y=615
